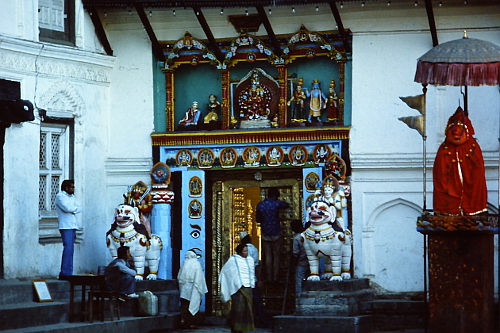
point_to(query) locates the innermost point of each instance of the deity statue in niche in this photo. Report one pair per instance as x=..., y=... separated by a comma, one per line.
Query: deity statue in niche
x=190, y=119
x=256, y=99
x=254, y=102
x=213, y=108
x=296, y=103
x=332, y=106
x=317, y=101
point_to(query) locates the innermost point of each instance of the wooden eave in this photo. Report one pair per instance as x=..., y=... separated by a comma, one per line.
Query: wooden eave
x=92, y=6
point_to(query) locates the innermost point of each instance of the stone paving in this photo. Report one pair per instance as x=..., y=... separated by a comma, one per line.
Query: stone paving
x=216, y=329
x=220, y=329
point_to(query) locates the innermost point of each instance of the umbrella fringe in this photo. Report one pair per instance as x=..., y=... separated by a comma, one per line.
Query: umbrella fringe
x=459, y=74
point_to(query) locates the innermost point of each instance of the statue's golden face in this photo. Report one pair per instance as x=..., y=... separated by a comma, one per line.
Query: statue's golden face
x=456, y=134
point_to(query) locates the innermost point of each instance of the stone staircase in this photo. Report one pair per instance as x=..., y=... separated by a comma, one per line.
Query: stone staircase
x=349, y=306
x=20, y=312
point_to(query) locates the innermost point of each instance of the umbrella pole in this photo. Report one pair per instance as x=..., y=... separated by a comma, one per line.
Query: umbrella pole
x=424, y=151
x=424, y=148
x=466, y=103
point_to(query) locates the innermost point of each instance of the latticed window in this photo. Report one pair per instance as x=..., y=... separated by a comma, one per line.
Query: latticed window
x=53, y=165
x=51, y=14
x=56, y=21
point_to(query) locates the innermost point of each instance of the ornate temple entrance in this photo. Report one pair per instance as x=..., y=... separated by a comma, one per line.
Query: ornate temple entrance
x=233, y=210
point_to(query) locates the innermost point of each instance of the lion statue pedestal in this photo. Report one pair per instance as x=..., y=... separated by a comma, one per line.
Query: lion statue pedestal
x=127, y=231
x=322, y=240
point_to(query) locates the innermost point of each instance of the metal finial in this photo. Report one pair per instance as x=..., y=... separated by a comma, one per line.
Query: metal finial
x=465, y=34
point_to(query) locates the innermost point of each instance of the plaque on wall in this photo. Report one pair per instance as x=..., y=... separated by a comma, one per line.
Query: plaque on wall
x=42, y=291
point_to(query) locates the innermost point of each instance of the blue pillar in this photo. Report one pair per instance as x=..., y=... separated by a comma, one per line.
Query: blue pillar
x=193, y=226
x=161, y=225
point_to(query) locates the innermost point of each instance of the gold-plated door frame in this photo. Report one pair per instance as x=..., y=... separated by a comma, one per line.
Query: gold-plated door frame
x=226, y=236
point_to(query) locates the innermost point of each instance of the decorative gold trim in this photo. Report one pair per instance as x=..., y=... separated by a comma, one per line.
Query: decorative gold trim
x=219, y=252
x=249, y=136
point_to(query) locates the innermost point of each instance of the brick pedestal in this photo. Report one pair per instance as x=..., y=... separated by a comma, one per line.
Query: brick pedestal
x=461, y=281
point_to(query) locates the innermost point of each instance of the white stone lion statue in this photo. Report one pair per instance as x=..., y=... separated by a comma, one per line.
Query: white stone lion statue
x=322, y=240
x=126, y=230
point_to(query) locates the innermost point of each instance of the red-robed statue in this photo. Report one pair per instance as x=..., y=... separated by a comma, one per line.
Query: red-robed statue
x=459, y=174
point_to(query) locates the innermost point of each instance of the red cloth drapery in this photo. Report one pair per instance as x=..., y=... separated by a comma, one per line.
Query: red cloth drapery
x=459, y=174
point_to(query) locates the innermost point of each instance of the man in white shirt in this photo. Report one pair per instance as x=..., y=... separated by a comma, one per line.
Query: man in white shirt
x=67, y=208
x=260, y=315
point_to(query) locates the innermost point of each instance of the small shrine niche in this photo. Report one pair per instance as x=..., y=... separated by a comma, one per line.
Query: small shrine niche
x=256, y=100
x=254, y=83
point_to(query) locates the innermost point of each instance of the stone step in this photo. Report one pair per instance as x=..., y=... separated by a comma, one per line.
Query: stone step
x=395, y=314
x=333, y=298
x=301, y=324
x=27, y=314
x=332, y=303
x=19, y=310
x=344, y=286
x=19, y=291
x=20, y=315
x=165, y=322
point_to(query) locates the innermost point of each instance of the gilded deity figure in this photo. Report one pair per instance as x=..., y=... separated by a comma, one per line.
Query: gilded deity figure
x=213, y=108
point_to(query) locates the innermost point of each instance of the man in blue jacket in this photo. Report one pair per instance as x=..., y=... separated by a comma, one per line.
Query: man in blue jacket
x=268, y=215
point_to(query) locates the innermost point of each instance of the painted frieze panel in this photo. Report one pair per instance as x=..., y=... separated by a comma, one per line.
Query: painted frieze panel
x=280, y=155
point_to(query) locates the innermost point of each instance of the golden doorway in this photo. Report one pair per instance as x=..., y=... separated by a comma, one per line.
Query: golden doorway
x=233, y=210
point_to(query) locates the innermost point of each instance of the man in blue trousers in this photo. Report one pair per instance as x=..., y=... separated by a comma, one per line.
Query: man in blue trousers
x=67, y=208
x=120, y=276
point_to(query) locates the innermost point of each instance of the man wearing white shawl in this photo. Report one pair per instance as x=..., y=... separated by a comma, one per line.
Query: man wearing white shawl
x=237, y=278
x=192, y=286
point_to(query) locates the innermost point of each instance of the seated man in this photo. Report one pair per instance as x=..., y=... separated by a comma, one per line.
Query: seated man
x=120, y=277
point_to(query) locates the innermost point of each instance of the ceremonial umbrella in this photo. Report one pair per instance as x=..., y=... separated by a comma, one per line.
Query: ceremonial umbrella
x=462, y=62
